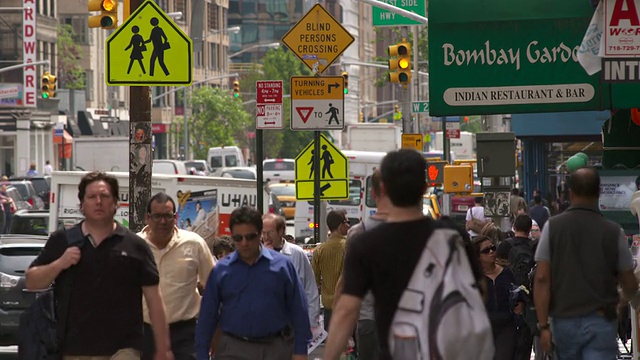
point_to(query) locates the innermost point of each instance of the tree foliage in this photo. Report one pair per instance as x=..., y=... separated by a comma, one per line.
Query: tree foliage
x=279, y=64
x=70, y=73
x=216, y=121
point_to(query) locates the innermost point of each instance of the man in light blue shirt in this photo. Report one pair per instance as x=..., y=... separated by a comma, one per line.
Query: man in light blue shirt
x=273, y=228
x=256, y=298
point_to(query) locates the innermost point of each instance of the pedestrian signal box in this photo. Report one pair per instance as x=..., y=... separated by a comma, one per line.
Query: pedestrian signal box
x=435, y=172
x=458, y=178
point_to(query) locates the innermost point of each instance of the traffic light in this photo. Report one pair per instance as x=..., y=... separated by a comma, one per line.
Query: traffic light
x=345, y=76
x=236, y=89
x=361, y=119
x=400, y=63
x=108, y=18
x=48, y=85
x=458, y=178
x=435, y=172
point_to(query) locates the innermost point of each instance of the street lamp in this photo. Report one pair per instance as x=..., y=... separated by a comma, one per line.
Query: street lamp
x=271, y=46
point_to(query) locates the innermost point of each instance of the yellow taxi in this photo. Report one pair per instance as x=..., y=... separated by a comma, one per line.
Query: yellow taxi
x=286, y=195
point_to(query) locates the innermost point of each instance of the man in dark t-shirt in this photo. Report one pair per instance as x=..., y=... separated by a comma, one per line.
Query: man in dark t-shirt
x=383, y=259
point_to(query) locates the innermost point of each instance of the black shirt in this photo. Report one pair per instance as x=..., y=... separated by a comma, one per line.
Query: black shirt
x=105, y=312
x=383, y=259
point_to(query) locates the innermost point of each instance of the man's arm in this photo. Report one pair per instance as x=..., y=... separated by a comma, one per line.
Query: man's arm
x=315, y=265
x=542, y=294
x=310, y=288
x=208, y=318
x=297, y=305
x=338, y=291
x=206, y=263
x=158, y=319
x=54, y=258
x=343, y=320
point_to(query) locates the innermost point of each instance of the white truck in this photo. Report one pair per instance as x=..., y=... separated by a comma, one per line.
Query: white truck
x=101, y=153
x=463, y=148
x=372, y=137
x=204, y=204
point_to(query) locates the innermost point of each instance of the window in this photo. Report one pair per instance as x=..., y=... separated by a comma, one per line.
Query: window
x=213, y=56
x=89, y=95
x=14, y=260
x=181, y=6
x=52, y=8
x=274, y=165
x=231, y=160
x=216, y=162
x=212, y=17
x=354, y=195
x=368, y=195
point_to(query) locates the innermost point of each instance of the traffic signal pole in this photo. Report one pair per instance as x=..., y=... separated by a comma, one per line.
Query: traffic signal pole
x=406, y=94
x=140, y=151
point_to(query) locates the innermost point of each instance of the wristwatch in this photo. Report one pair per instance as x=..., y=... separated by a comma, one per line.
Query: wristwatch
x=544, y=327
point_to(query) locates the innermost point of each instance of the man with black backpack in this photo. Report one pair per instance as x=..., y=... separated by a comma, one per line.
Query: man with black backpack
x=518, y=252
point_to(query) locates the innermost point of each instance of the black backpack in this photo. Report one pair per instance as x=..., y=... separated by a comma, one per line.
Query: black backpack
x=521, y=260
x=43, y=324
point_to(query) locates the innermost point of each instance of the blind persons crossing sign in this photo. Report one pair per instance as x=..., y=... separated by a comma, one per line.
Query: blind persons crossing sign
x=318, y=39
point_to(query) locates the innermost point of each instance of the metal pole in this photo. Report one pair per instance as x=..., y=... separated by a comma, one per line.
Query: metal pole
x=259, y=170
x=19, y=66
x=316, y=186
x=185, y=125
x=445, y=141
x=416, y=33
x=139, y=150
x=406, y=97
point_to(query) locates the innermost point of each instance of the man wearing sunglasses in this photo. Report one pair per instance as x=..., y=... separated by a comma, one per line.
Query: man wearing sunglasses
x=244, y=297
x=184, y=261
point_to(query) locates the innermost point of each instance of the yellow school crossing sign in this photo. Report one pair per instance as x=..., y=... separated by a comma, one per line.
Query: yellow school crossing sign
x=334, y=172
x=149, y=49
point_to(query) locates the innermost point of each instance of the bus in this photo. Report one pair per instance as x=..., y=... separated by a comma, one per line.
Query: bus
x=359, y=206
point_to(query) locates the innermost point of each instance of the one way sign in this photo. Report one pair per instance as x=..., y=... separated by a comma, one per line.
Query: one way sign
x=317, y=103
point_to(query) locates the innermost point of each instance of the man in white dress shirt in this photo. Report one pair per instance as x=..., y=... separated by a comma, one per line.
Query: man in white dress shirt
x=273, y=228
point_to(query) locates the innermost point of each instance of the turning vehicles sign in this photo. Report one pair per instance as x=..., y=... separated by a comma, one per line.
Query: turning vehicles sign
x=317, y=103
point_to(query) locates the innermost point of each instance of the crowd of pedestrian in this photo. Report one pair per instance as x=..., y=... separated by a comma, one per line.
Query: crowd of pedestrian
x=550, y=284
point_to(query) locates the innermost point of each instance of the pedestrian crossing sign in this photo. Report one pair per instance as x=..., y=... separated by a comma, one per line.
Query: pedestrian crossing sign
x=148, y=49
x=334, y=172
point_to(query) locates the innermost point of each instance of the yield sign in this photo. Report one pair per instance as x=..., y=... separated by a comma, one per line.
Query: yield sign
x=148, y=49
x=304, y=112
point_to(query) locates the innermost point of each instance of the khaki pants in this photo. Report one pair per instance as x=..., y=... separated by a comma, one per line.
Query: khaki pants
x=122, y=354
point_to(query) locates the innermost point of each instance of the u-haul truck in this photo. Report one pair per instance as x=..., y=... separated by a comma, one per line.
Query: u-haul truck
x=204, y=203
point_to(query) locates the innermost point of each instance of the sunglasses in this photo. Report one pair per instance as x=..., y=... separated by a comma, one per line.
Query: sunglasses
x=248, y=237
x=158, y=217
x=488, y=250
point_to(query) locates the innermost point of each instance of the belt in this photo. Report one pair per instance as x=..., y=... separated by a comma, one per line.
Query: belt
x=260, y=339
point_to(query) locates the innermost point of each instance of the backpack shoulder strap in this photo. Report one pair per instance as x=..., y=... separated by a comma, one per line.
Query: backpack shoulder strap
x=74, y=237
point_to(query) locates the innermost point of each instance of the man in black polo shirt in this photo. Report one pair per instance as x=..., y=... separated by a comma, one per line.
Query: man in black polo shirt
x=113, y=269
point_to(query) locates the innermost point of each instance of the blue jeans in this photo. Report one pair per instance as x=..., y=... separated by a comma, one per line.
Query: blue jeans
x=588, y=337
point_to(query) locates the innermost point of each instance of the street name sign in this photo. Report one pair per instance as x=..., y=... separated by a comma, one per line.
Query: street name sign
x=149, y=49
x=412, y=141
x=420, y=107
x=334, y=172
x=269, y=104
x=318, y=39
x=387, y=18
x=317, y=103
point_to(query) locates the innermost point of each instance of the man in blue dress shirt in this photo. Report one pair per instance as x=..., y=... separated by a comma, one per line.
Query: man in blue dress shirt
x=256, y=298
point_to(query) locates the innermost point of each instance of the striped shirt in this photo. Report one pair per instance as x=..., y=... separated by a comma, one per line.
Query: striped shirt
x=327, y=262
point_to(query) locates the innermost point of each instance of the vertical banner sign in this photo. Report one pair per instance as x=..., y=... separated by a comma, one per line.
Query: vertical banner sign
x=29, y=52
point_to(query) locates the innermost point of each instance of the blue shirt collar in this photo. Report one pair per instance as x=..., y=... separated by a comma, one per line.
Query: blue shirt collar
x=264, y=252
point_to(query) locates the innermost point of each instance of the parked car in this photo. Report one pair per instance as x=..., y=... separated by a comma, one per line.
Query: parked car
x=240, y=172
x=199, y=165
x=275, y=170
x=20, y=203
x=286, y=195
x=28, y=192
x=42, y=184
x=30, y=222
x=169, y=167
x=16, y=254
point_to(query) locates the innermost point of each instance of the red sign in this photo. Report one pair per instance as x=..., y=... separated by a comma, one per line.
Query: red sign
x=269, y=92
x=159, y=128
